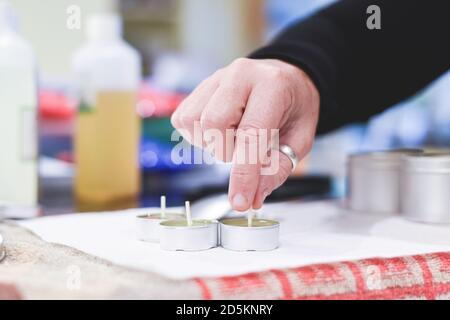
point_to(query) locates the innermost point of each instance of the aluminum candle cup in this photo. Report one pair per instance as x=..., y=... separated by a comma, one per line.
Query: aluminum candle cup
x=177, y=235
x=425, y=185
x=373, y=182
x=263, y=235
x=148, y=226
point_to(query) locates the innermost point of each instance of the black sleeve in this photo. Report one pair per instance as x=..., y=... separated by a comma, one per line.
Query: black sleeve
x=360, y=72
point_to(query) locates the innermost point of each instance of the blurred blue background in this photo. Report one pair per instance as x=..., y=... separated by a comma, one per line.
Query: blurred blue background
x=182, y=42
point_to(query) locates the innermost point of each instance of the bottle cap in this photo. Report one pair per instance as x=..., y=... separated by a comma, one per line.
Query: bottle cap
x=104, y=27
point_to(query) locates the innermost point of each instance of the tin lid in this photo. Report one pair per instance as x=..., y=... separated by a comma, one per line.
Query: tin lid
x=257, y=223
x=428, y=162
x=384, y=159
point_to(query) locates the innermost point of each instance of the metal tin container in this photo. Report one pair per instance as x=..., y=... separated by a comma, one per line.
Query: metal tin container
x=263, y=235
x=176, y=235
x=2, y=249
x=373, y=182
x=148, y=226
x=425, y=184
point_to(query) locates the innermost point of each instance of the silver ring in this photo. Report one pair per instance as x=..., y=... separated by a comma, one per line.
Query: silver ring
x=287, y=151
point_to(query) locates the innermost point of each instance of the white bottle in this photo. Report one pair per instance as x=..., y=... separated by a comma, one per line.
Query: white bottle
x=108, y=73
x=18, y=115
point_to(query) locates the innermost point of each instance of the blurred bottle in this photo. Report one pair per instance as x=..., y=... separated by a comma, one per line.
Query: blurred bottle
x=108, y=73
x=18, y=119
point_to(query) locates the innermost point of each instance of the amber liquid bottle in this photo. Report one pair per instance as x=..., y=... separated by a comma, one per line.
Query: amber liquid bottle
x=107, y=126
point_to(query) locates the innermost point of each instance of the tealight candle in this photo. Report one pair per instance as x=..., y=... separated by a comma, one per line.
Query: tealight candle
x=188, y=234
x=251, y=234
x=149, y=224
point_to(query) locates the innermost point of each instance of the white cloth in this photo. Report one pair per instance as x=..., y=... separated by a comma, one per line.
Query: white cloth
x=311, y=232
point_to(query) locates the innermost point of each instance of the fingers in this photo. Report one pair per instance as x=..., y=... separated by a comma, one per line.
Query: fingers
x=249, y=147
x=186, y=117
x=299, y=135
x=255, y=97
x=244, y=175
x=223, y=112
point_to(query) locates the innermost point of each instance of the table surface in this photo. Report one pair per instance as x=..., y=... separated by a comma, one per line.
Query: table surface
x=311, y=232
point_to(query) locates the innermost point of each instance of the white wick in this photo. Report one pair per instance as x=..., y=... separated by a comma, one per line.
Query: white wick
x=257, y=212
x=188, y=213
x=250, y=218
x=163, y=207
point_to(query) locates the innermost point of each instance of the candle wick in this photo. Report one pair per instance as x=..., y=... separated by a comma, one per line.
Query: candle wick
x=250, y=218
x=163, y=207
x=188, y=213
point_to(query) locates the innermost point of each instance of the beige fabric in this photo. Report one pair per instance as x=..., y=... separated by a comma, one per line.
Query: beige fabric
x=44, y=270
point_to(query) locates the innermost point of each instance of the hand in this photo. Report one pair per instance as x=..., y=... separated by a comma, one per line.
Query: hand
x=253, y=94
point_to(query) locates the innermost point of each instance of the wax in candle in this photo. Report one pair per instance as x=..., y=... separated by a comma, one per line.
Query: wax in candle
x=184, y=223
x=241, y=222
x=166, y=216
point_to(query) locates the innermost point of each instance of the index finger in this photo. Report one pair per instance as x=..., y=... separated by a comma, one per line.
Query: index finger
x=257, y=121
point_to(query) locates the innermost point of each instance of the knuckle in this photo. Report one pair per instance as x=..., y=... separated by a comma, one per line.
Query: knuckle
x=249, y=129
x=279, y=86
x=276, y=74
x=185, y=120
x=237, y=67
x=240, y=63
x=212, y=122
x=218, y=73
x=241, y=174
x=248, y=135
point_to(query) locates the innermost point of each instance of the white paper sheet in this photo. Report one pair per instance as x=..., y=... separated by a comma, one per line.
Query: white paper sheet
x=313, y=232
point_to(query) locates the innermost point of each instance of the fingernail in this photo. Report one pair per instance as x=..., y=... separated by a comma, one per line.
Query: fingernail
x=239, y=202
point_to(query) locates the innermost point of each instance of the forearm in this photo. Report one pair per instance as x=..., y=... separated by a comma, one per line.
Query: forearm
x=360, y=72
